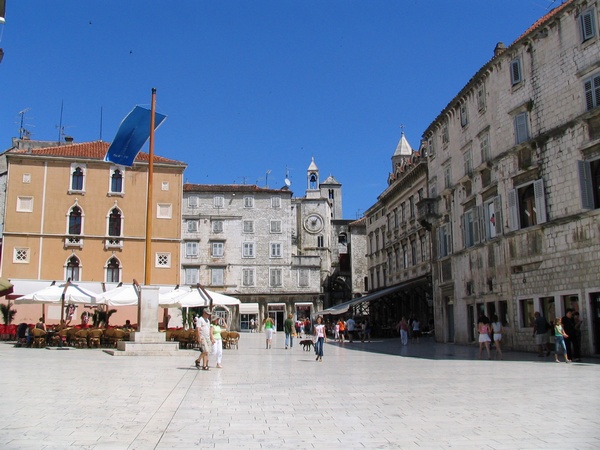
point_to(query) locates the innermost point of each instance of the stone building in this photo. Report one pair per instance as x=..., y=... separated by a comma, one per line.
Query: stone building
x=514, y=185
x=399, y=246
x=238, y=240
x=277, y=253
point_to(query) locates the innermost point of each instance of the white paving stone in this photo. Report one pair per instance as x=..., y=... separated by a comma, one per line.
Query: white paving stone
x=374, y=395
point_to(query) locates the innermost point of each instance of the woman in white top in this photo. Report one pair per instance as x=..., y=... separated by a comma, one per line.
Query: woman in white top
x=497, y=330
x=321, y=336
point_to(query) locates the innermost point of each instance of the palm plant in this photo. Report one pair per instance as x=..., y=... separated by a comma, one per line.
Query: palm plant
x=101, y=317
x=8, y=314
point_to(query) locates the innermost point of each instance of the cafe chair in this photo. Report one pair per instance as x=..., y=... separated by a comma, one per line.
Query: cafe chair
x=60, y=338
x=113, y=336
x=72, y=336
x=94, y=337
x=233, y=339
x=81, y=338
x=225, y=338
x=38, y=338
x=187, y=338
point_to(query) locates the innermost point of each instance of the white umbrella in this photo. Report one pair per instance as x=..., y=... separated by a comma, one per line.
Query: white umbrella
x=186, y=299
x=194, y=298
x=53, y=294
x=125, y=295
x=167, y=300
x=222, y=299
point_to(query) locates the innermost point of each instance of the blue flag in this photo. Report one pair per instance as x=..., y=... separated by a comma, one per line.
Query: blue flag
x=131, y=136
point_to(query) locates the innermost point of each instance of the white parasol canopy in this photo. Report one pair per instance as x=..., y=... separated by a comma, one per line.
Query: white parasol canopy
x=193, y=298
x=53, y=294
x=125, y=295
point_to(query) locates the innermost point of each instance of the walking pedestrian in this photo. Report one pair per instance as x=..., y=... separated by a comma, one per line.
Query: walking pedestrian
x=269, y=326
x=559, y=340
x=205, y=339
x=568, y=324
x=321, y=338
x=497, y=330
x=342, y=326
x=218, y=325
x=416, y=330
x=483, y=328
x=288, y=328
x=350, y=325
x=540, y=333
x=367, y=327
x=403, y=327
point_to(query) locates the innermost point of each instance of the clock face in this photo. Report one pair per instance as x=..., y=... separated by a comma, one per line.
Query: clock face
x=313, y=223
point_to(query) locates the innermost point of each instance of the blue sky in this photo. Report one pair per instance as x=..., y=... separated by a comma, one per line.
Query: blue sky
x=252, y=85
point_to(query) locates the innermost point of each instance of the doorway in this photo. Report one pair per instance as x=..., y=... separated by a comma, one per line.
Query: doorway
x=277, y=313
x=450, y=318
x=595, y=310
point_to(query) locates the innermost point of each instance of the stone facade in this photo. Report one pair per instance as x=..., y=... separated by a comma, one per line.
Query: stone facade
x=513, y=185
x=277, y=253
x=398, y=244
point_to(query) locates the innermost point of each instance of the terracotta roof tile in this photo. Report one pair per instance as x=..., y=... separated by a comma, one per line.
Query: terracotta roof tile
x=88, y=150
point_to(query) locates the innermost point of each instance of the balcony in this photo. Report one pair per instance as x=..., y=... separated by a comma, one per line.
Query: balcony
x=113, y=243
x=427, y=212
x=73, y=242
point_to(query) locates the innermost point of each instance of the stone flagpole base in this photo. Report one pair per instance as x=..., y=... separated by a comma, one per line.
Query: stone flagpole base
x=148, y=341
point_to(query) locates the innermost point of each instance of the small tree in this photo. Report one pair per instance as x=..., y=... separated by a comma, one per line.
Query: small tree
x=8, y=314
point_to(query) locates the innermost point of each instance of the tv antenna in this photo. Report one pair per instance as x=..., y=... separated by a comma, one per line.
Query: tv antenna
x=287, y=181
x=60, y=127
x=23, y=132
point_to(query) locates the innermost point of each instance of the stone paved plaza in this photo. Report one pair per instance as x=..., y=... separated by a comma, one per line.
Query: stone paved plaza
x=373, y=395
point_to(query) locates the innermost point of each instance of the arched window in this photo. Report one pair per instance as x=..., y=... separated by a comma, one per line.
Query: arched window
x=114, y=222
x=73, y=268
x=75, y=220
x=113, y=272
x=77, y=179
x=116, y=181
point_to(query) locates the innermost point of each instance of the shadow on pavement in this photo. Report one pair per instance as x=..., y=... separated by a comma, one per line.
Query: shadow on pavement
x=427, y=348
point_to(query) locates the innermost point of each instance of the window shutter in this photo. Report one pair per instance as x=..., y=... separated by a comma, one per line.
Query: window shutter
x=540, y=201
x=498, y=214
x=591, y=87
x=588, y=25
x=478, y=235
x=513, y=212
x=515, y=71
x=440, y=237
x=521, y=129
x=465, y=232
x=585, y=184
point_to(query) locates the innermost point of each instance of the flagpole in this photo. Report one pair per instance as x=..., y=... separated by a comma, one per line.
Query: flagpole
x=149, y=204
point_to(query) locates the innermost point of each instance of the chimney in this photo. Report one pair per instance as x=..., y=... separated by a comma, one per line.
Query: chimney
x=500, y=47
x=69, y=139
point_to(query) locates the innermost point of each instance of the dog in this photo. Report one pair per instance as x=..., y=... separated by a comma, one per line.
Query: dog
x=307, y=345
